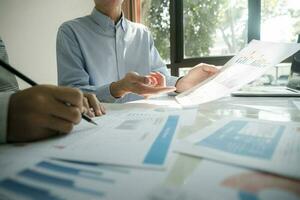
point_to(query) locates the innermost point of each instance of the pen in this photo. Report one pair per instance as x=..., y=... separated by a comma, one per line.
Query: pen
x=33, y=83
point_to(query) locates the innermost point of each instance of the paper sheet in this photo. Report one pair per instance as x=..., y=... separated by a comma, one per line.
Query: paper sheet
x=212, y=180
x=252, y=62
x=125, y=137
x=164, y=105
x=28, y=177
x=264, y=145
x=55, y=180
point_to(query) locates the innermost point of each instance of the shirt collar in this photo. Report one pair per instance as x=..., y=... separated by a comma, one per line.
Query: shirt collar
x=107, y=23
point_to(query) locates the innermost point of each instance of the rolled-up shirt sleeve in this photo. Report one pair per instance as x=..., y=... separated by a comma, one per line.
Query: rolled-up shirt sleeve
x=71, y=66
x=4, y=104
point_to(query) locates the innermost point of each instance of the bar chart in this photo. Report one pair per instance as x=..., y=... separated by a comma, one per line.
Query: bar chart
x=57, y=180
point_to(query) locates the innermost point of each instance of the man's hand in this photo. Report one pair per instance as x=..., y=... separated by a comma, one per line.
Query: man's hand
x=146, y=86
x=195, y=76
x=43, y=111
x=92, y=106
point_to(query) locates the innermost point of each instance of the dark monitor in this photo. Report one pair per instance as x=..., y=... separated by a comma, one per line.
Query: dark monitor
x=294, y=78
x=296, y=60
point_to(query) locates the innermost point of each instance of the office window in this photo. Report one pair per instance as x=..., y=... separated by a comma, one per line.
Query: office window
x=214, y=28
x=280, y=20
x=187, y=32
x=156, y=16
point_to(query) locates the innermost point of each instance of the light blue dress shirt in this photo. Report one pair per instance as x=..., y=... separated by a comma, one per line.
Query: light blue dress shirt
x=93, y=52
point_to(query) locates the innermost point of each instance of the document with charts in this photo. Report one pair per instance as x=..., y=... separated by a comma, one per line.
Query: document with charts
x=36, y=178
x=25, y=177
x=264, y=145
x=141, y=138
x=252, y=62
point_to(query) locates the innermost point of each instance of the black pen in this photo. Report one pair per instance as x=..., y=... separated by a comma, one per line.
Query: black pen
x=33, y=83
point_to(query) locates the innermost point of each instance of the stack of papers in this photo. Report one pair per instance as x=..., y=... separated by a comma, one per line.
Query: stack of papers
x=265, y=145
x=77, y=165
x=136, y=138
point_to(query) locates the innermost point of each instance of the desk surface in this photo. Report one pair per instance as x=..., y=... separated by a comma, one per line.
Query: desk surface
x=193, y=178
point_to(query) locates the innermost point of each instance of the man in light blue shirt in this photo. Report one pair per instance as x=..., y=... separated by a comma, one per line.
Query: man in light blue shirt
x=116, y=59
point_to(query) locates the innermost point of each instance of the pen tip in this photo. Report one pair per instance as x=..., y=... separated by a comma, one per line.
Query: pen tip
x=94, y=122
x=87, y=118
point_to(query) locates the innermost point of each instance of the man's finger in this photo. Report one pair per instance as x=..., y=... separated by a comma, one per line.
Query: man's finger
x=37, y=133
x=152, y=79
x=86, y=103
x=161, y=80
x=94, y=103
x=87, y=107
x=63, y=111
x=210, y=69
x=44, y=133
x=135, y=77
x=69, y=95
x=102, y=108
x=61, y=125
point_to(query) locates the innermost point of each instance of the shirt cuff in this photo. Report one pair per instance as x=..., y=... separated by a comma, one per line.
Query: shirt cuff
x=4, y=104
x=104, y=95
x=172, y=80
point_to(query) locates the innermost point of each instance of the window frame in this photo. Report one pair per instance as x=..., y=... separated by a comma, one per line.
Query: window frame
x=177, y=37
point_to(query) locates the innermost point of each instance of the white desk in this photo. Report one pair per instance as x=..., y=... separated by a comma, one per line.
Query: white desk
x=193, y=178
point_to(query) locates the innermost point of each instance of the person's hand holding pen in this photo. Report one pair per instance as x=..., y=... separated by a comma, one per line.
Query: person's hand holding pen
x=92, y=106
x=44, y=111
